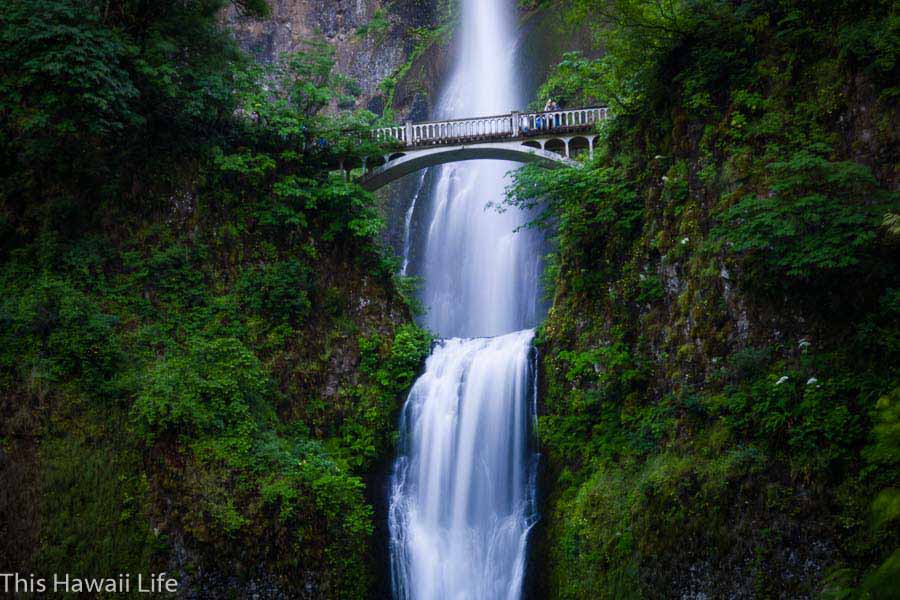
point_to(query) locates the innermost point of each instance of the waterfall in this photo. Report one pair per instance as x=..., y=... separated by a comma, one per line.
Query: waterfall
x=462, y=492
x=407, y=223
x=463, y=500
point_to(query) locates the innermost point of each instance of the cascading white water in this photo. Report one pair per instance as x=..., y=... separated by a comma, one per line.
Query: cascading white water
x=463, y=501
x=462, y=496
x=480, y=276
x=407, y=223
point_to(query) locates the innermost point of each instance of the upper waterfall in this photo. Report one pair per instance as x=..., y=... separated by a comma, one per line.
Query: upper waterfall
x=481, y=277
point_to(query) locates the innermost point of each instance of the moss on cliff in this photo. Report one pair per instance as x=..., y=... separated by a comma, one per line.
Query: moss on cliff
x=202, y=344
x=722, y=343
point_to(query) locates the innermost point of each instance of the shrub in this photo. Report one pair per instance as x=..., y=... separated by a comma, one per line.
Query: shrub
x=278, y=290
x=214, y=386
x=818, y=218
x=51, y=333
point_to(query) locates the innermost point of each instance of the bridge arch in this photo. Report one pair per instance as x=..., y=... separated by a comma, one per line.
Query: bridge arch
x=557, y=146
x=415, y=160
x=580, y=144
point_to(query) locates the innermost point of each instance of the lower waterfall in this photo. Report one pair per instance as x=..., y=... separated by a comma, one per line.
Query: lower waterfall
x=462, y=499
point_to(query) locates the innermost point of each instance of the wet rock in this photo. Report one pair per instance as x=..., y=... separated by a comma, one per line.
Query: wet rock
x=368, y=57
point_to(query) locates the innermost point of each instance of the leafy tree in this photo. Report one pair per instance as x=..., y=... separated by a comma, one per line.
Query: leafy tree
x=313, y=82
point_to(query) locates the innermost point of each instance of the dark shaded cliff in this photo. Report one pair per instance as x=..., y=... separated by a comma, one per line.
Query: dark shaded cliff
x=202, y=344
x=719, y=367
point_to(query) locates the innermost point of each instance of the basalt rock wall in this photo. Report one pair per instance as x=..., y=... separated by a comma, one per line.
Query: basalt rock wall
x=375, y=43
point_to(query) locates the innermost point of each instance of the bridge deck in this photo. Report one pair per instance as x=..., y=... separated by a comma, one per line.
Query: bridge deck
x=517, y=137
x=497, y=128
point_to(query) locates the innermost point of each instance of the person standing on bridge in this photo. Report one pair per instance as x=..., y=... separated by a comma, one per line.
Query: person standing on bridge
x=550, y=107
x=523, y=126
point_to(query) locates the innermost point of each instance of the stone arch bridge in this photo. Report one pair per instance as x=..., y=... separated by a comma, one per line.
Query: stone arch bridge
x=550, y=139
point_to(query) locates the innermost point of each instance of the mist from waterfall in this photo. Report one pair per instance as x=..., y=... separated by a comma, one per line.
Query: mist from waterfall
x=462, y=494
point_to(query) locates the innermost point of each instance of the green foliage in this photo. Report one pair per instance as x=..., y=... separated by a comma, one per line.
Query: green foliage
x=377, y=26
x=390, y=369
x=618, y=519
x=411, y=346
x=313, y=83
x=885, y=449
x=884, y=454
x=651, y=289
x=65, y=74
x=819, y=217
x=53, y=334
x=409, y=287
x=874, y=44
x=724, y=315
x=637, y=35
x=572, y=82
x=814, y=420
x=593, y=211
x=94, y=500
x=423, y=39
x=215, y=387
x=82, y=81
x=177, y=272
x=279, y=290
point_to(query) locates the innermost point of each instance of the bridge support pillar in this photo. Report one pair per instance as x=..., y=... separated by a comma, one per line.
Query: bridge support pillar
x=409, y=133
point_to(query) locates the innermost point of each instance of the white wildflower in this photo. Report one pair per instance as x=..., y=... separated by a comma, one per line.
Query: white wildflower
x=782, y=380
x=812, y=381
x=685, y=240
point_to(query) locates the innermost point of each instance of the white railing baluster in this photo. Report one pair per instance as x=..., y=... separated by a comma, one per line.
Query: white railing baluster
x=488, y=128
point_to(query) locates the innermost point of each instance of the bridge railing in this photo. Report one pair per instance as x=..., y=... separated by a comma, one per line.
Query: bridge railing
x=494, y=128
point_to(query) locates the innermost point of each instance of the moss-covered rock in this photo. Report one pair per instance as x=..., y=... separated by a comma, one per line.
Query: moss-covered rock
x=722, y=291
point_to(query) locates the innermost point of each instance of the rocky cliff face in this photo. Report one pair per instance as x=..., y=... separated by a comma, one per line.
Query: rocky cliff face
x=711, y=418
x=375, y=42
